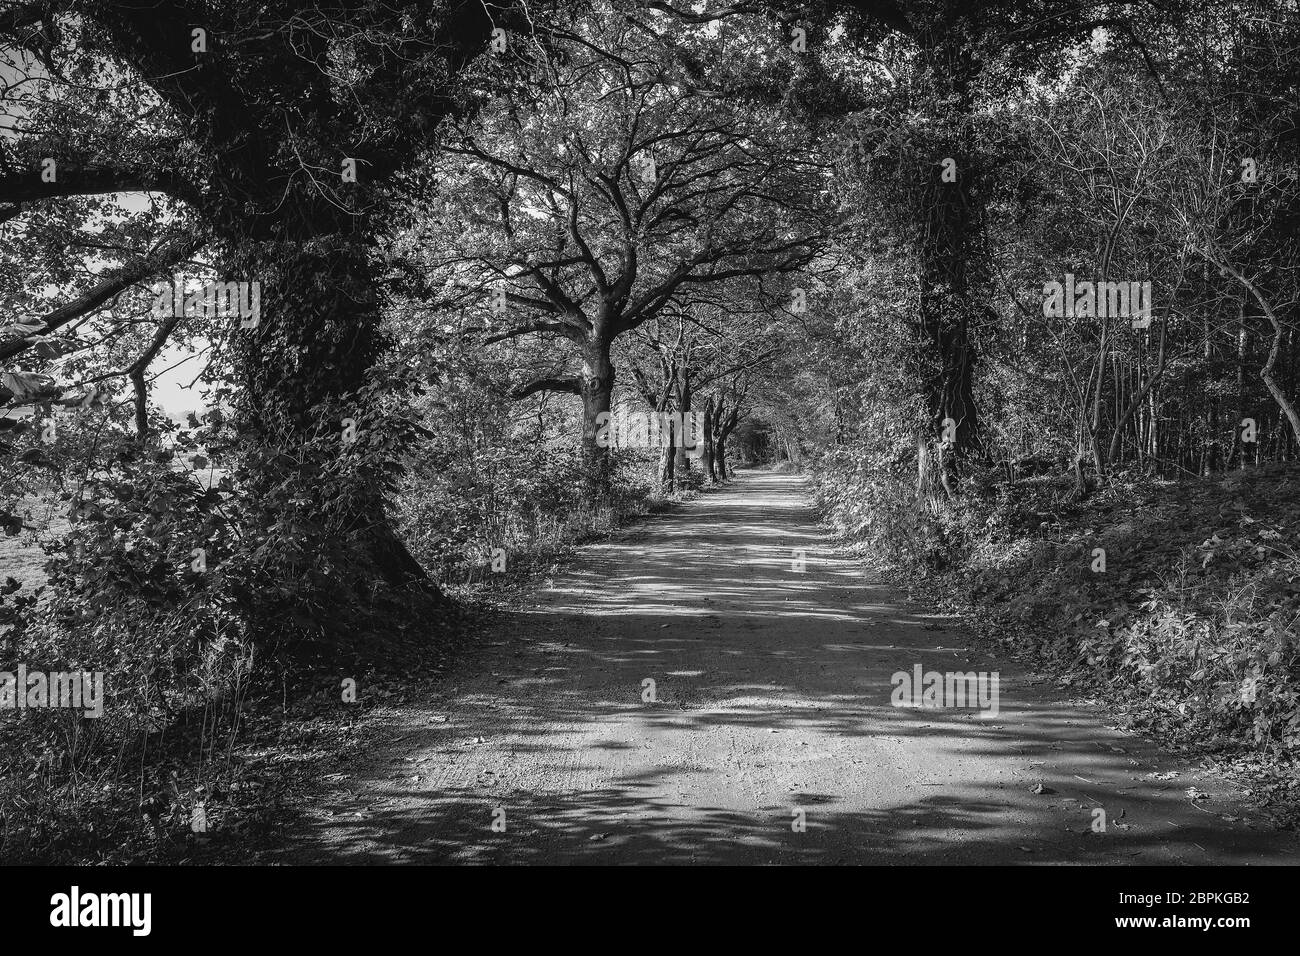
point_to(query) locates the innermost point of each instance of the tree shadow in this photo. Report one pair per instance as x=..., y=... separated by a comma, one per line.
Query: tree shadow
x=771, y=737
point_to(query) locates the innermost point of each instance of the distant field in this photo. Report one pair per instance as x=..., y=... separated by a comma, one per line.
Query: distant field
x=22, y=559
x=21, y=556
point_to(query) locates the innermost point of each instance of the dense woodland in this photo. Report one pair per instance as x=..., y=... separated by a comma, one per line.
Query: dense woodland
x=817, y=235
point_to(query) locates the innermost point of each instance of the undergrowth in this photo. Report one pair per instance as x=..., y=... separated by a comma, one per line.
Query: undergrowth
x=1176, y=603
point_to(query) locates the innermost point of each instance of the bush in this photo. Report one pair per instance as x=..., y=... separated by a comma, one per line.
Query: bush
x=190, y=591
x=1192, y=625
x=461, y=504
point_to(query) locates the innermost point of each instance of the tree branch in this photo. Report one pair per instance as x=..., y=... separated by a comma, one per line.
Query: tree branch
x=568, y=385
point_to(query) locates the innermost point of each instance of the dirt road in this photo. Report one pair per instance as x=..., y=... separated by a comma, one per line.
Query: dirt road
x=773, y=704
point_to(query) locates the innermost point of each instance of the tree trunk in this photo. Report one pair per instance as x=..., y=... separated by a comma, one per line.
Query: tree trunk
x=307, y=238
x=710, y=469
x=1266, y=373
x=596, y=386
x=724, y=431
x=945, y=214
x=683, y=465
x=1123, y=418
x=304, y=368
x=666, y=470
x=1270, y=382
x=1238, y=445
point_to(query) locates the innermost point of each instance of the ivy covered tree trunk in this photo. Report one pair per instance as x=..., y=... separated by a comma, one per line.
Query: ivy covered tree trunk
x=946, y=218
x=290, y=173
x=313, y=446
x=305, y=415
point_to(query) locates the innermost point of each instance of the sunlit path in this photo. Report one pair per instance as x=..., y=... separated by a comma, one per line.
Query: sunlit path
x=772, y=692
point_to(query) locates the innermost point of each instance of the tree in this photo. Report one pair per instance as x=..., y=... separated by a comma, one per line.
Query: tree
x=622, y=193
x=282, y=126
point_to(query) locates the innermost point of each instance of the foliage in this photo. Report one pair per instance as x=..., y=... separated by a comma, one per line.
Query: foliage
x=1192, y=626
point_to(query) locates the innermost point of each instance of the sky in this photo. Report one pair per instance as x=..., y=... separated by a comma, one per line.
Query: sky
x=171, y=391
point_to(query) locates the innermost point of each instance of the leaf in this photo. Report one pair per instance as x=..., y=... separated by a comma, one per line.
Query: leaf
x=27, y=385
x=20, y=330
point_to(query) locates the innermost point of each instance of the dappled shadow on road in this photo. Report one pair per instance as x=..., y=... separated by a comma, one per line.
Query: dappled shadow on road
x=772, y=707
x=523, y=747
x=622, y=824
